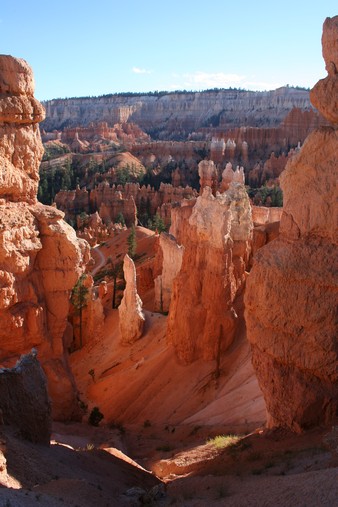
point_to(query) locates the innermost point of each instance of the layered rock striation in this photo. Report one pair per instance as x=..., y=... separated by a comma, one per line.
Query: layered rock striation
x=291, y=293
x=40, y=255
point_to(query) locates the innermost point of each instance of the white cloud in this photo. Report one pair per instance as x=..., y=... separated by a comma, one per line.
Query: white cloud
x=201, y=80
x=138, y=70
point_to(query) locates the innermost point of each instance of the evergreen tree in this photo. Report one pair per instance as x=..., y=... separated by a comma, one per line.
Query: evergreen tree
x=120, y=219
x=132, y=244
x=43, y=193
x=79, y=299
x=158, y=224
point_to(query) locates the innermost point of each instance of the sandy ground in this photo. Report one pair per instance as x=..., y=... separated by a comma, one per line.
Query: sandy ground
x=84, y=467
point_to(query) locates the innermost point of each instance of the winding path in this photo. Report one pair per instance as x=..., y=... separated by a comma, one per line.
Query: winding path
x=98, y=264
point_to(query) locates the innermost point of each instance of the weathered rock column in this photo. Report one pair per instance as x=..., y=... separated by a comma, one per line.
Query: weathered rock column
x=216, y=235
x=130, y=310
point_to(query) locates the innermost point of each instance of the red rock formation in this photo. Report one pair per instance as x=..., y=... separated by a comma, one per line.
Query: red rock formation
x=215, y=233
x=20, y=145
x=262, y=215
x=172, y=255
x=207, y=172
x=324, y=94
x=130, y=310
x=92, y=229
x=110, y=201
x=292, y=290
x=40, y=256
x=94, y=137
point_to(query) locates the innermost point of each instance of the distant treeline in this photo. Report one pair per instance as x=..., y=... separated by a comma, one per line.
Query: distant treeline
x=161, y=93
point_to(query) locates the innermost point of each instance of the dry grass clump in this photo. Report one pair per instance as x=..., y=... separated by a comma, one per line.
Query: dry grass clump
x=223, y=441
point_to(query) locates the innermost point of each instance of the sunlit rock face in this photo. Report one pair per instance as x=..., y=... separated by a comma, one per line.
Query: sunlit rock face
x=130, y=310
x=40, y=255
x=216, y=233
x=291, y=293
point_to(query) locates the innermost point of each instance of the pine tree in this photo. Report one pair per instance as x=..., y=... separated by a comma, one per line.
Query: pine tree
x=132, y=244
x=116, y=271
x=158, y=223
x=120, y=219
x=79, y=299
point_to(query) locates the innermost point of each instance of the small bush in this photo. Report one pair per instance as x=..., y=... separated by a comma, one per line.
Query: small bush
x=95, y=417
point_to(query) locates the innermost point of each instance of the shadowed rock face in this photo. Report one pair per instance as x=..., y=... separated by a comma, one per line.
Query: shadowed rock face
x=291, y=293
x=40, y=255
x=24, y=399
x=172, y=254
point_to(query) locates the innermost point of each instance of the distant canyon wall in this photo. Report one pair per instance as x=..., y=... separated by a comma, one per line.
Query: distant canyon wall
x=178, y=113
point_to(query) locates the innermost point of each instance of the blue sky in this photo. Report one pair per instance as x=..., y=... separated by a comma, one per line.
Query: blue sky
x=79, y=48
